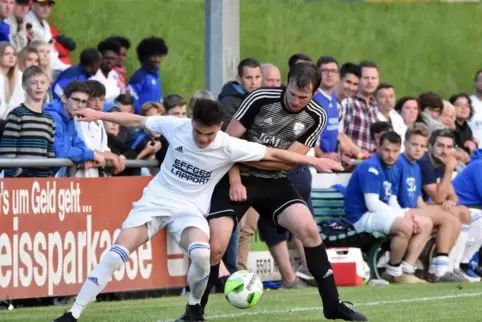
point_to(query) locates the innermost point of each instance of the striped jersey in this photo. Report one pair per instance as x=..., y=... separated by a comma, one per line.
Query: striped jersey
x=28, y=134
x=269, y=122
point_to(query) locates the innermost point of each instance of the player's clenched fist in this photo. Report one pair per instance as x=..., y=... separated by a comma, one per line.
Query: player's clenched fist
x=237, y=192
x=327, y=165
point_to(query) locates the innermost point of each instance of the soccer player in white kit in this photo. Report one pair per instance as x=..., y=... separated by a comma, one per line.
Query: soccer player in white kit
x=179, y=196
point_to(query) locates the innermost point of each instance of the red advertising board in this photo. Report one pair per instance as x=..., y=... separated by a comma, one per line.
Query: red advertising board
x=54, y=231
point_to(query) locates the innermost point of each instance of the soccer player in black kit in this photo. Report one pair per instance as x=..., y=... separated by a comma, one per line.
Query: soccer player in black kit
x=284, y=118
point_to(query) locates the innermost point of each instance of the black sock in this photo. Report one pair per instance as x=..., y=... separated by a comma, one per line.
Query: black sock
x=464, y=266
x=441, y=254
x=480, y=257
x=320, y=267
x=213, y=277
x=394, y=265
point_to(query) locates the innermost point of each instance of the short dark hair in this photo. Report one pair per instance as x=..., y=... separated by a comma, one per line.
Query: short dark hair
x=392, y=137
x=441, y=133
x=113, y=109
x=23, y=2
x=350, y=68
x=89, y=57
x=367, y=64
x=123, y=41
x=455, y=97
x=109, y=45
x=431, y=99
x=124, y=99
x=76, y=87
x=207, y=112
x=417, y=129
x=151, y=46
x=379, y=127
x=173, y=100
x=295, y=58
x=97, y=89
x=304, y=74
x=323, y=60
x=384, y=85
x=247, y=62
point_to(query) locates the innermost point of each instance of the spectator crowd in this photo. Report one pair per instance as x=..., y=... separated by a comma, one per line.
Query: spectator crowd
x=431, y=136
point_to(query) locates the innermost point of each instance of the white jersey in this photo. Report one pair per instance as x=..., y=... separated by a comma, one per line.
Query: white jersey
x=189, y=174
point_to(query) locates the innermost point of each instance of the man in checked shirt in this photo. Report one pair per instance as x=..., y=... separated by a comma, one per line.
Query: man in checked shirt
x=360, y=111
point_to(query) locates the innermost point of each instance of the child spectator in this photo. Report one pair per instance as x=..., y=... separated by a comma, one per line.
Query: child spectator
x=175, y=105
x=11, y=91
x=29, y=57
x=145, y=84
x=29, y=130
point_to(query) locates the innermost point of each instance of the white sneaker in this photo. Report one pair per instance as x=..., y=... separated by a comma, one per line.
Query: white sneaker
x=471, y=279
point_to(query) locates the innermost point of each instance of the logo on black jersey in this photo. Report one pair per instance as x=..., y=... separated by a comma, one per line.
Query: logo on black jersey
x=298, y=128
x=179, y=149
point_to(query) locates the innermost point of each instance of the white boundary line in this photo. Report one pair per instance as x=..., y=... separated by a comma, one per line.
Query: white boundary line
x=304, y=309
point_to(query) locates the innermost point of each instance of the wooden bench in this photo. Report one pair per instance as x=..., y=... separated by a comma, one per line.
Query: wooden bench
x=328, y=204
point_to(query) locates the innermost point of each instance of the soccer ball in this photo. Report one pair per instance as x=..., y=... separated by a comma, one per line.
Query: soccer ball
x=363, y=270
x=243, y=289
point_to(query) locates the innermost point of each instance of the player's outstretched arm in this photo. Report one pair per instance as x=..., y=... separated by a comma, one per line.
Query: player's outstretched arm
x=125, y=119
x=321, y=164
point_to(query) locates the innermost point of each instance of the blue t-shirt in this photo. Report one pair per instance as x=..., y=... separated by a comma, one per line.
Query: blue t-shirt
x=145, y=86
x=371, y=176
x=410, y=183
x=329, y=135
x=468, y=184
x=430, y=174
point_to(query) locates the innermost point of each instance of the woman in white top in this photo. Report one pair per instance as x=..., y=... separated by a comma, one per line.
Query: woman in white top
x=43, y=49
x=385, y=97
x=11, y=90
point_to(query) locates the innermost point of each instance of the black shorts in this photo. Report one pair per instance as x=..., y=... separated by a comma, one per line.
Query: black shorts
x=269, y=197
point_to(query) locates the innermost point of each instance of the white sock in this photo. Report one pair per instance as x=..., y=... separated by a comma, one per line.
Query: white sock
x=455, y=256
x=474, y=241
x=439, y=266
x=198, y=274
x=408, y=268
x=394, y=270
x=99, y=277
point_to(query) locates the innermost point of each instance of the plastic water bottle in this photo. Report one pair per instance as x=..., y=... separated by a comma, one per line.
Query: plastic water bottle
x=378, y=282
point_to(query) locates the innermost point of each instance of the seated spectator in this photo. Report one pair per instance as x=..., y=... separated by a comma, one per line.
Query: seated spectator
x=409, y=108
x=37, y=17
x=464, y=111
x=371, y=206
x=448, y=115
x=18, y=25
x=29, y=57
x=68, y=144
x=446, y=225
x=125, y=103
x=377, y=130
x=94, y=135
x=385, y=97
x=431, y=106
x=29, y=129
x=175, y=105
x=448, y=118
x=110, y=51
x=120, y=67
x=438, y=165
x=145, y=85
x=11, y=90
x=89, y=65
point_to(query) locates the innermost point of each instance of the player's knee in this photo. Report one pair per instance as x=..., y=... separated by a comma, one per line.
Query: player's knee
x=403, y=227
x=199, y=253
x=426, y=225
x=309, y=234
x=464, y=215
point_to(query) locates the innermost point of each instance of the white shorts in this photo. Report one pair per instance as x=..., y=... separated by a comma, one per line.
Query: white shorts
x=378, y=222
x=175, y=220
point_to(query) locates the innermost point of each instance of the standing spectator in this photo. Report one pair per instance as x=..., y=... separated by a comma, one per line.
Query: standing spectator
x=89, y=65
x=63, y=45
x=350, y=75
x=110, y=51
x=234, y=92
x=18, y=25
x=464, y=111
x=409, y=108
x=360, y=111
x=68, y=144
x=11, y=91
x=6, y=9
x=270, y=76
x=29, y=129
x=175, y=105
x=385, y=97
x=29, y=57
x=298, y=58
x=37, y=17
x=476, y=120
x=43, y=50
x=145, y=85
x=120, y=67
